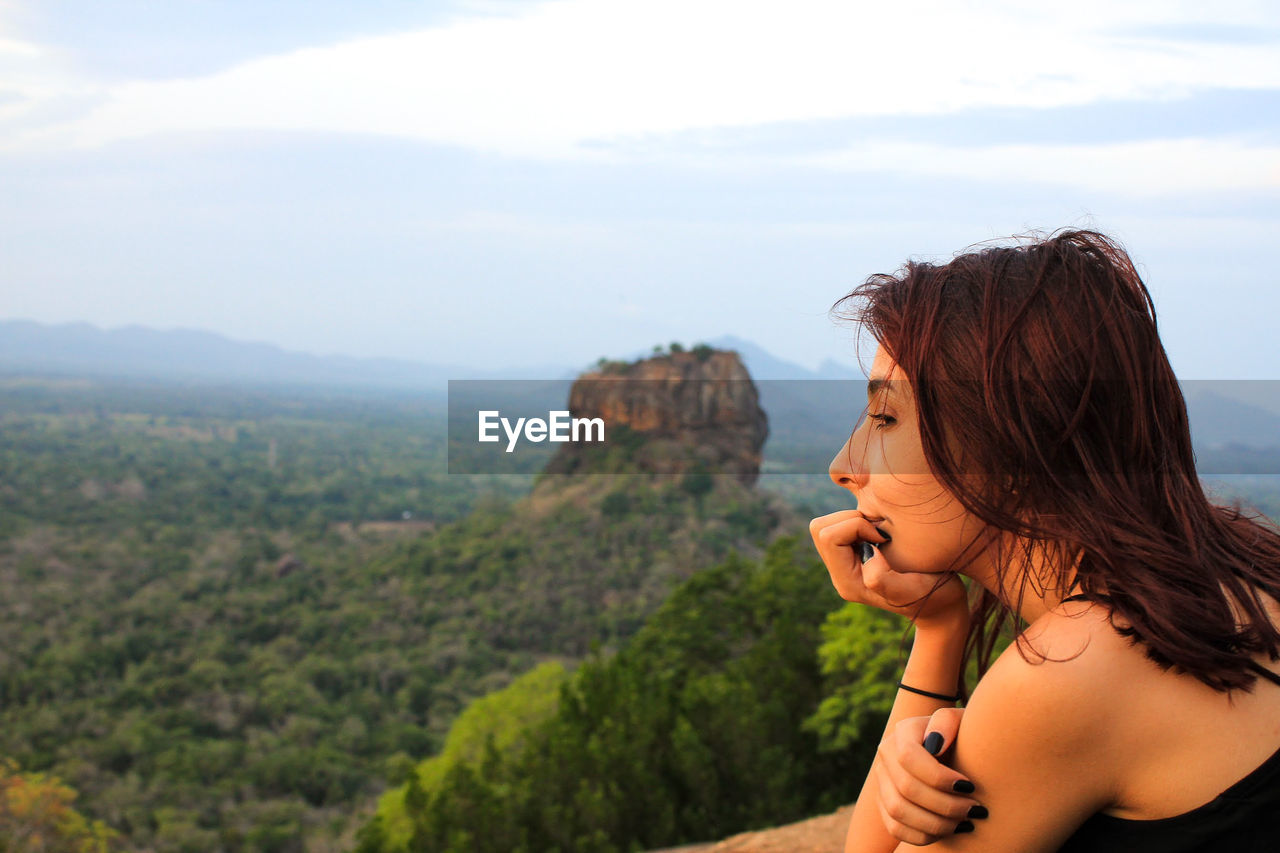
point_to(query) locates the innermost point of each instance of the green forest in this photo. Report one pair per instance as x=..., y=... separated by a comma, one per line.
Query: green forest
x=267, y=620
x=197, y=637
x=706, y=723
x=230, y=616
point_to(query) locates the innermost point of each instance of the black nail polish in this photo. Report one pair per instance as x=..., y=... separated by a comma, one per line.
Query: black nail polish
x=865, y=551
x=962, y=786
x=977, y=812
x=933, y=743
x=887, y=537
x=965, y=826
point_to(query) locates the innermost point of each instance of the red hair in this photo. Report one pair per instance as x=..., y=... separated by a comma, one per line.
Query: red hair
x=1039, y=365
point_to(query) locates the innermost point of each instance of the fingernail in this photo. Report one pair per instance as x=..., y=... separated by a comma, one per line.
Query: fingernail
x=866, y=552
x=964, y=826
x=886, y=536
x=977, y=812
x=933, y=743
x=962, y=786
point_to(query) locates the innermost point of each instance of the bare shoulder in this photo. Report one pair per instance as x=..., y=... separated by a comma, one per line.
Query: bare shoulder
x=1039, y=736
x=1069, y=666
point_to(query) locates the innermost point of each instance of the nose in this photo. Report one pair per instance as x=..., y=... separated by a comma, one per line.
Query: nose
x=848, y=468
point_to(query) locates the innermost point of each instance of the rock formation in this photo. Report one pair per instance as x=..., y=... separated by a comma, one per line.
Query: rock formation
x=672, y=414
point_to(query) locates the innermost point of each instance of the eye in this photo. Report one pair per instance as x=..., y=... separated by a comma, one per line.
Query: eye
x=883, y=421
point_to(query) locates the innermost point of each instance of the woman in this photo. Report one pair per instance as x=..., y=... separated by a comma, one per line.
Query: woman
x=1025, y=431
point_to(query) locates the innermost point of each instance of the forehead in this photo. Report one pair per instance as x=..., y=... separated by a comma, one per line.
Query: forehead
x=883, y=365
x=887, y=378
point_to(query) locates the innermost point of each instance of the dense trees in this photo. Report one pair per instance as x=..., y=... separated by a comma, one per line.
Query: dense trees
x=191, y=634
x=222, y=654
x=694, y=730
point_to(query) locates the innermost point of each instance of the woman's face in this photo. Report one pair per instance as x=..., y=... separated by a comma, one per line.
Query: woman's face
x=884, y=466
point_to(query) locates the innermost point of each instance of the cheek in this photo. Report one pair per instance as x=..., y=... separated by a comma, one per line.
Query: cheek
x=896, y=453
x=917, y=497
x=930, y=528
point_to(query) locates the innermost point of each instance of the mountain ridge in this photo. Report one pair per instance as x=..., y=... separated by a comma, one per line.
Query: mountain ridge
x=191, y=354
x=1223, y=412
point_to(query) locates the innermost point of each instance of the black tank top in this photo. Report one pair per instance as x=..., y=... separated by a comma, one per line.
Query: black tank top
x=1245, y=818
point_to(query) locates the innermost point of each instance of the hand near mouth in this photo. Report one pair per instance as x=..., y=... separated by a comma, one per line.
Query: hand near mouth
x=843, y=540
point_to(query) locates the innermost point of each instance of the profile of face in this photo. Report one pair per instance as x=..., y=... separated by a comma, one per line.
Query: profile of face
x=884, y=466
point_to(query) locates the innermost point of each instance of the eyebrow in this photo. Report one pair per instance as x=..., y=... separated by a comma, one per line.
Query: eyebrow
x=875, y=385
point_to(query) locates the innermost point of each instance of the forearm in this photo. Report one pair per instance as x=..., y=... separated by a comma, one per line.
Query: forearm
x=934, y=665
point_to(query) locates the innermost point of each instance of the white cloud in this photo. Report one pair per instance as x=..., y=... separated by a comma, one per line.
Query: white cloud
x=561, y=75
x=10, y=48
x=1147, y=168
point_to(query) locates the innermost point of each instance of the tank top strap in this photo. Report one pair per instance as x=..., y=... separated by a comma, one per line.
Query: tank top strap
x=1264, y=672
x=1101, y=597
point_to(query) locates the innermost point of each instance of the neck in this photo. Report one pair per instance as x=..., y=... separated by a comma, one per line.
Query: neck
x=1040, y=592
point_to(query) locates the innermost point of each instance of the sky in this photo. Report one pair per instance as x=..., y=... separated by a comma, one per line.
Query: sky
x=494, y=183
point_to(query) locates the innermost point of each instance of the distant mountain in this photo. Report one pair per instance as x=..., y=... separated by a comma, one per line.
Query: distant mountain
x=191, y=355
x=761, y=363
x=1218, y=420
x=1222, y=413
x=765, y=365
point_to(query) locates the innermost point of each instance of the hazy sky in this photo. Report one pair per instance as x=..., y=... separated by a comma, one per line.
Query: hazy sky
x=499, y=183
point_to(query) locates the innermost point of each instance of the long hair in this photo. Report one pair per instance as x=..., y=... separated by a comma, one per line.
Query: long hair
x=1039, y=366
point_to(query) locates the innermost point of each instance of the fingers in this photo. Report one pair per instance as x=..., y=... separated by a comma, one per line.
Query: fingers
x=919, y=802
x=878, y=577
x=834, y=536
x=921, y=779
x=933, y=735
x=909, y=822
x=944, y=722
x=871, y=579
x=849, y=526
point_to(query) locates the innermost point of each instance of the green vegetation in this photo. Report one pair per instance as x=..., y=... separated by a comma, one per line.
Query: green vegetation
x=701, y=351
x=693, y=731
x=611, y=366
x=862, y=655
x=225, y=647
x=194, y=633
x=498, y=722
x=109, y=459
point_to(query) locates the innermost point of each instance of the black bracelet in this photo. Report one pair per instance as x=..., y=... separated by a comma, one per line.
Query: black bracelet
x=929, y=694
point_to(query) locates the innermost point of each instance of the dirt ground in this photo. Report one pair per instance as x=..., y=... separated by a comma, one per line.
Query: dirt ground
x=822, y=834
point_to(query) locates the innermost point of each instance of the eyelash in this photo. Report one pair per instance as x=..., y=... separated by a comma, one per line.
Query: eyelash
x=884, y=420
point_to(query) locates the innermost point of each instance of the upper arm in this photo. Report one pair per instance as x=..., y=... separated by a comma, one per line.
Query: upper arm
x=1035, y=742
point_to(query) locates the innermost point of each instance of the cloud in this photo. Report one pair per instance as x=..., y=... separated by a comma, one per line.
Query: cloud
x=11, y=48
x=1147, y=168
x=557, y=79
